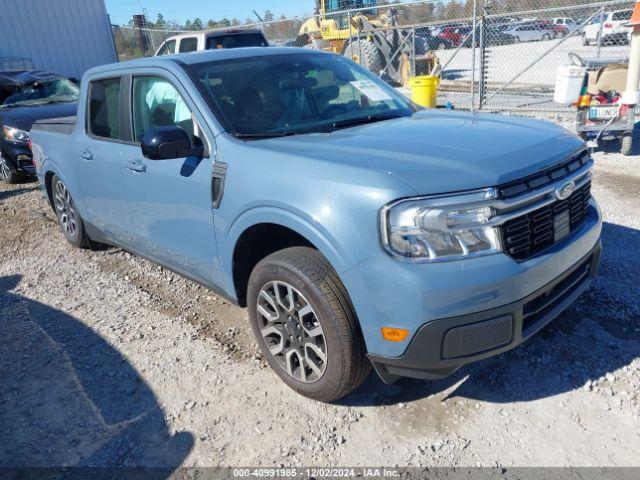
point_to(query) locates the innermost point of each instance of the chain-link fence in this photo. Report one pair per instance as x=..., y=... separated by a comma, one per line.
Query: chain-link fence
x=494, y=55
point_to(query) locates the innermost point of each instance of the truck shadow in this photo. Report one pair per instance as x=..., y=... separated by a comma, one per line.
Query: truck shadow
x=599, y=334
x=7, y=194
x=70, y=399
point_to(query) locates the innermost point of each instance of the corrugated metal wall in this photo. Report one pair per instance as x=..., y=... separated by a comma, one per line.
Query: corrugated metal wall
x=64, y=36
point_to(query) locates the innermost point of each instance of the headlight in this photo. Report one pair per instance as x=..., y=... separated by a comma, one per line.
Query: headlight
x=440, y=228
x=14, y=135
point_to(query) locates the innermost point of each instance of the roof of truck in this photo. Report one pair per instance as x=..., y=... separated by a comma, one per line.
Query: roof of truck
x=204, y=56
x=215, y=33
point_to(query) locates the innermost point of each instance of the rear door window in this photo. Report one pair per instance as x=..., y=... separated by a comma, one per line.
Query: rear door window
x=189, y=44
x=104, y=108
x=236, y=40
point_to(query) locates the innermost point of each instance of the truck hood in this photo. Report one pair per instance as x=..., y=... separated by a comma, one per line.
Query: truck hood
x=438, y=151
x=23, y=118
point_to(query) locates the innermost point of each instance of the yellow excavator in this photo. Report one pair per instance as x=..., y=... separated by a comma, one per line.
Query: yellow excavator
x=366, y=35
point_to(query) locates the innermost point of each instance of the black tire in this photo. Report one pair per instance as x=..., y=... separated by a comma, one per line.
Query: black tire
x=307, y=271
x=71, y=224
x=441, y=46
x=516, y=39
x=7, y=172
x=365, y=53
x=627, y=143
x=546, y=36
x=585, y=42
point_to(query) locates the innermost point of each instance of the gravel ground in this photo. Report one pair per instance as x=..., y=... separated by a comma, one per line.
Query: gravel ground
x=107, y=359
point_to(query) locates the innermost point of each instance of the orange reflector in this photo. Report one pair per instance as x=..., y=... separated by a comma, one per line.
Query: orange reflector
x=394, y=334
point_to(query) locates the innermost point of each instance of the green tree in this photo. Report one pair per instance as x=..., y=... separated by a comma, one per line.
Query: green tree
x=160, y=23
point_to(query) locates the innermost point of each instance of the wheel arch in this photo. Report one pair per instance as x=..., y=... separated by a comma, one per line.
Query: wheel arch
x=48, y=185
x=262, y=231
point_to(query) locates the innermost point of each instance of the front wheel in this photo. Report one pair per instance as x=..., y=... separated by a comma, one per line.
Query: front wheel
x=305, y=324
x=69, y=219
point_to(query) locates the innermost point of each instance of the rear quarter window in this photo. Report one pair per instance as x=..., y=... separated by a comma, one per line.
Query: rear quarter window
x=104, y=108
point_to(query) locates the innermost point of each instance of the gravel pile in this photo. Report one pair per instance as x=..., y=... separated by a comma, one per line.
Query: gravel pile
x=108, y=359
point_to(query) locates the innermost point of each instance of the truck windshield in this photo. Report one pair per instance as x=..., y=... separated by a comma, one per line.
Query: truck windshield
x=288, y=94
x=59, y=90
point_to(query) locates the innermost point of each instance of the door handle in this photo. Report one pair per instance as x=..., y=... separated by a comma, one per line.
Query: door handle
x=136, y=166
x=86, y=155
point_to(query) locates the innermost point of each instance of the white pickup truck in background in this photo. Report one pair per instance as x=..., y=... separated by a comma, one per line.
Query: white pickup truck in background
x=613, y=26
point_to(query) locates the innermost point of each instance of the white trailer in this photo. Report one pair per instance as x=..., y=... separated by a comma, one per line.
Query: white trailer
x=63, y=36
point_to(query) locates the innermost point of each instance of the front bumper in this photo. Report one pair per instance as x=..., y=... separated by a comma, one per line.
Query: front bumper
x=442, y=346
x=431, y=299
x=19, y=157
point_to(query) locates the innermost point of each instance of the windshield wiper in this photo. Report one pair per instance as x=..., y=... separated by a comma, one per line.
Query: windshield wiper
x=352, y=122
x=258, y=135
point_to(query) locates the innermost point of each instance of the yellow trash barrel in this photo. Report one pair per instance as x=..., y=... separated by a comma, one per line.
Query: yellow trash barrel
x=424, y=89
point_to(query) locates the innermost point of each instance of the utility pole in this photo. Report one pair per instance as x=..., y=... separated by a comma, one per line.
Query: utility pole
x=631, y=95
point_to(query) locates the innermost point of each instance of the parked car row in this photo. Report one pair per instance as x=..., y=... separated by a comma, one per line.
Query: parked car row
x=611, y=25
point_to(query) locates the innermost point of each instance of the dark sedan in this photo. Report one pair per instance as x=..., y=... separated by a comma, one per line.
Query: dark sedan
x=25, y=97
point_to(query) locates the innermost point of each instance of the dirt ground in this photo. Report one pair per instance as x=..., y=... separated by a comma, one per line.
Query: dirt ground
x=107, y=359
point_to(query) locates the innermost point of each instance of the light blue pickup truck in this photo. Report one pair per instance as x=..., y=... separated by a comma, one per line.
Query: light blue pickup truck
x=358, y=229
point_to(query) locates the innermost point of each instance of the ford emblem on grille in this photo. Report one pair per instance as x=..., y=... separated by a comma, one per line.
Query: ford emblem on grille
x=563, y=192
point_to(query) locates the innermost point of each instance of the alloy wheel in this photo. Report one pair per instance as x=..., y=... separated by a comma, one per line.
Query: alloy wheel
x=292, y=332
x=65, y=209
x=5, y=172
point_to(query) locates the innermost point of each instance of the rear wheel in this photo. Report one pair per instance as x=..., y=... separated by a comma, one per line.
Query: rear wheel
x=7, y=173
x=365, y=53
x=546, y=36
x=441, y=46
x=69, y=219
x=305, y=324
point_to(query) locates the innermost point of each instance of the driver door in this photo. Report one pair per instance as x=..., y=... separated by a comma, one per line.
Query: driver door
x=170, y=201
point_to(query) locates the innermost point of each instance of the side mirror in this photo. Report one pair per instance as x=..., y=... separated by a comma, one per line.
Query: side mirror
x=165, y=143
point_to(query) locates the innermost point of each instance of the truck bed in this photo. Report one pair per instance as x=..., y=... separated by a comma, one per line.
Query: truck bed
x=63, y=125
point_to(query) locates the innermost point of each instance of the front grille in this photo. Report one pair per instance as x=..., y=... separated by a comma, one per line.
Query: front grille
x=529, y=234
x=544, y=177
x=537, y=308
